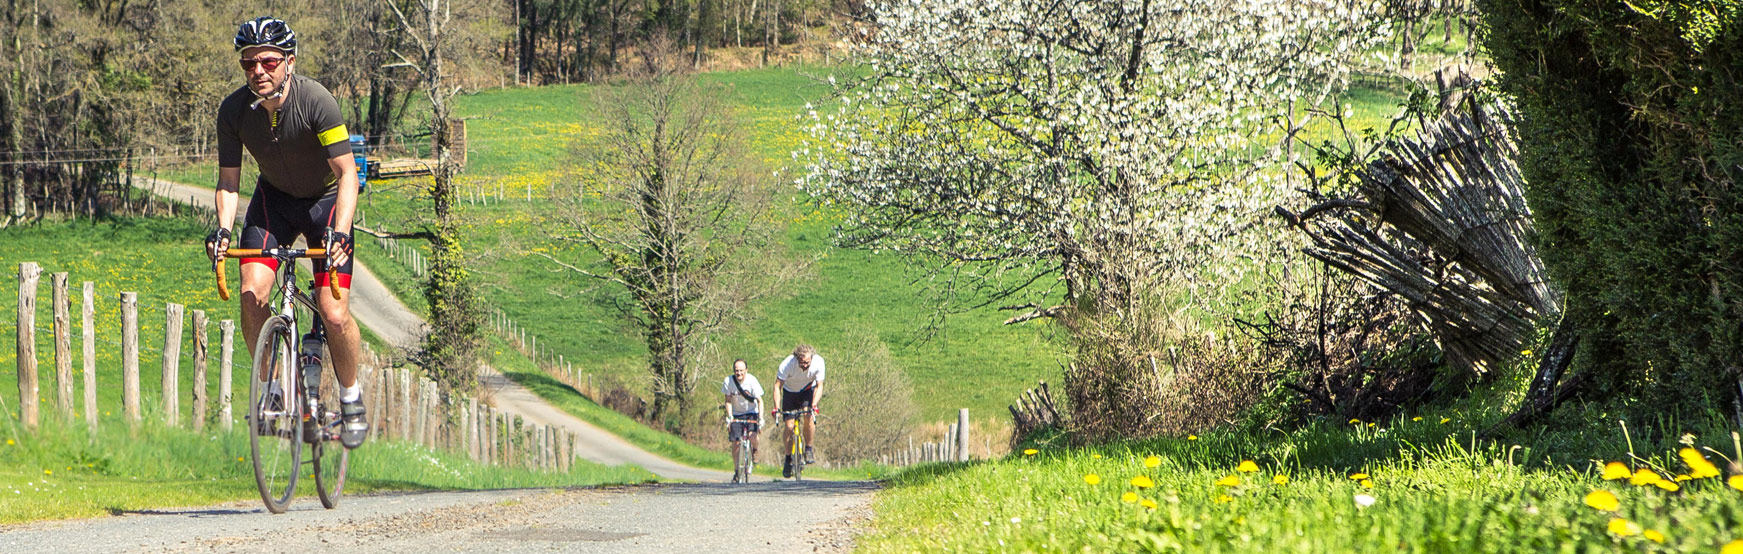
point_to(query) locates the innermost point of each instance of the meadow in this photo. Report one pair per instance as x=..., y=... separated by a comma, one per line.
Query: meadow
x=520, y=170
x=1415, y=483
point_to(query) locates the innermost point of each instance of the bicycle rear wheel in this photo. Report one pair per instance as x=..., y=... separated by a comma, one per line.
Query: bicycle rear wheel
x=330, y=458
x=274, y=425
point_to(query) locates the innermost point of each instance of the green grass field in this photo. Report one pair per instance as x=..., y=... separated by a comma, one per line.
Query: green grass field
x=63, y=471
x=519, y=145
x=1414, y=484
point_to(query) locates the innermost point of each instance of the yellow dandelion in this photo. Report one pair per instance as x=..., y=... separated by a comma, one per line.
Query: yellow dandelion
x=1667, y=485
x=1143, y=482
x=1526, y=353
x=1683, y=477
x=1736, y=482
x=1444, y=420
x=1367, y=483
x=1733, y=547
x=1092, y=479
x=1603, y=500
x=1370, y=424
x=1358, y=476
x=1030, y=452
x=1152, y=461
x=1644, y=477
x=1247, y=466
x=1354, y=421
x=1148, y=503
x=1095, y=456
x=1417, y=418
x=1616, y=470
x=1280, y=479
x=1224, y=499
x=1653, y=535
x=1129, y=497
x=1699, y=467
x=1624, y=528
x=1229, y=481
x=48, y=472
x=1192, y=437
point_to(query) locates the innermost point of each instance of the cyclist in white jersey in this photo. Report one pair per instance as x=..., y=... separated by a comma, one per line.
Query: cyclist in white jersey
x=744, y=400
x=800, y=379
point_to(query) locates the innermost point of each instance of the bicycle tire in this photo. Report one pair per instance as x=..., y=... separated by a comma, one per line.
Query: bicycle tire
x=798, y=454
x=330, y=459
x=277, y=453
x=741, y=474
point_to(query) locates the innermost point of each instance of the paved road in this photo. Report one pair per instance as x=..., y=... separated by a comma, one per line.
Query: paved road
x=814, y=516
x=378, y=309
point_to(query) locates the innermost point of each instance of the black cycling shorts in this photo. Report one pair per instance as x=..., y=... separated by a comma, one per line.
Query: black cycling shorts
x=276, y=219
x=739, y=428
x=795, y=400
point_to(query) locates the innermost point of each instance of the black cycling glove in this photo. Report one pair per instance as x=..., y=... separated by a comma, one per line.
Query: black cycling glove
x=217, y=242
x=338, y=246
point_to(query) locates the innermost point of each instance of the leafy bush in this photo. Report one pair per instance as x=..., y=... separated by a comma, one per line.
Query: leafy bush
x=1631, y=128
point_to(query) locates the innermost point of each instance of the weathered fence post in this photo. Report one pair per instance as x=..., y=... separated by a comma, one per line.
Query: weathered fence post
x=962, y=435
x=200, y=348
x=227, y=330
x=87, y=316
x=63, y=350
x=130, y=356
x=172, y=363
x=28, y=273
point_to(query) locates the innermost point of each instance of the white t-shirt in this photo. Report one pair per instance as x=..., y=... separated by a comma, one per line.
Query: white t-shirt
x=739, y=404
x=793, y=379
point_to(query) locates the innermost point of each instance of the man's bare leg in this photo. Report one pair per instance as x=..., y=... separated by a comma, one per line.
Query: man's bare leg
x=256, y=294
x=343, y=339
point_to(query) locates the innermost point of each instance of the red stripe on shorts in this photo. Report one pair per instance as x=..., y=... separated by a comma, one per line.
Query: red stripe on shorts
x=343, y=279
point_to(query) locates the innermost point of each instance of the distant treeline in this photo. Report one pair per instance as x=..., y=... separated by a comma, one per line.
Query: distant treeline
x=91, y=90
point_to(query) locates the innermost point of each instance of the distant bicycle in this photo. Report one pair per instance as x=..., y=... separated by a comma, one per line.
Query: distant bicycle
x=293, y=399
x=741, y=473
x=790, y=418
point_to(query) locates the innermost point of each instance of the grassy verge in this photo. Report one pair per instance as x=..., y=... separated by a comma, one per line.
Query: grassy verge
x=1418, y=484
x=64, y=471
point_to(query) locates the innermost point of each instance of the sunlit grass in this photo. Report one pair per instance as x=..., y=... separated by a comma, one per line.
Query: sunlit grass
x=1404, y=484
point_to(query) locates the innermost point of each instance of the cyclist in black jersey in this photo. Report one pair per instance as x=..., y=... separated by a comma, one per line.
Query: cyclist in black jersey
x=292, y=127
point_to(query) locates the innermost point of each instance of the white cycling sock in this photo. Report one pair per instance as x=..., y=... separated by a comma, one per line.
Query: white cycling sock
x=352, y=393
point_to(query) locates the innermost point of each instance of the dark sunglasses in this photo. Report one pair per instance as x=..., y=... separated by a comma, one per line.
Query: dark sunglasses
x=269, y=64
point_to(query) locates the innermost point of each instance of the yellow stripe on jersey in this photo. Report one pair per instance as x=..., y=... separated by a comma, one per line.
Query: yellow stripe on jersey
x=334, y=135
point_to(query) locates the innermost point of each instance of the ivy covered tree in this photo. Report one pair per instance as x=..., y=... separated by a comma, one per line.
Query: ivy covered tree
x=1095, y=152
x=1631, y=133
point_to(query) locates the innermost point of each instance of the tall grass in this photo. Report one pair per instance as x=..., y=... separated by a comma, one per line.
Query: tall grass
x=1431, y=486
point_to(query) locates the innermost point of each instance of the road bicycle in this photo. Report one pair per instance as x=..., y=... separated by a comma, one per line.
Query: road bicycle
x=742, y=471
x=293, y=399
x=790, y=418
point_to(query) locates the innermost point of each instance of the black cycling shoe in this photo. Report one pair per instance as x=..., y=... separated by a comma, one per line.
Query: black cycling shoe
x=787, y=467
x=810, y=455
x=353, y=425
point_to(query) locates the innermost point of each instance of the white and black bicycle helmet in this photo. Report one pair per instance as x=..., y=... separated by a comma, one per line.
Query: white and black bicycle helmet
x=266, y=31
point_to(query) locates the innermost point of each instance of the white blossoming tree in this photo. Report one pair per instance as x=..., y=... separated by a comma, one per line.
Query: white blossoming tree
x=1096, y=151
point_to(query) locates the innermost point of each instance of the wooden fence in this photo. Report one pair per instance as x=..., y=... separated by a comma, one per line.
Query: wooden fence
x=403, y=405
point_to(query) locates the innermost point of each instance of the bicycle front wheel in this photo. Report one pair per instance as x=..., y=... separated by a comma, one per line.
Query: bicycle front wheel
x=741, y=474
x=274, y=420
x=330, y=458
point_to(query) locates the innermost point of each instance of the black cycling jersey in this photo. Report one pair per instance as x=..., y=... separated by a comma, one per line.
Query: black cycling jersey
x=292, y=144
